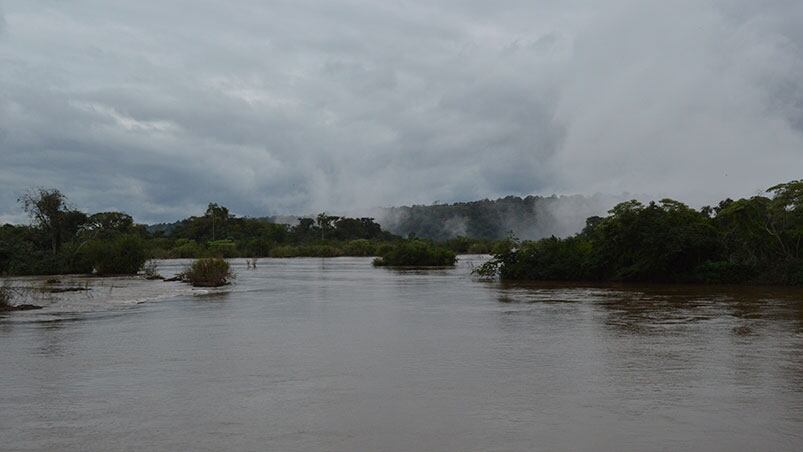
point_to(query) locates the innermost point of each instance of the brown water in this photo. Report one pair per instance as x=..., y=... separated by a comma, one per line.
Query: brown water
x=333, y=354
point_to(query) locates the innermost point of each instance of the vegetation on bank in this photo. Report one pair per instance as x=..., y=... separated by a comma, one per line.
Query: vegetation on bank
x=737, y=241
x=416, y=253
x=63, y=240
x=755, y=240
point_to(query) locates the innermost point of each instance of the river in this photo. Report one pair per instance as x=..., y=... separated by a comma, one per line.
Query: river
x=334, y=354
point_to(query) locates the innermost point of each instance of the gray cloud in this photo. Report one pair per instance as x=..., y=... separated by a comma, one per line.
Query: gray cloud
x=298, y=106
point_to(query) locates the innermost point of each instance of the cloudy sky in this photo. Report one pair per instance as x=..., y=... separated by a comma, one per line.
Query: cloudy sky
x=157, y=107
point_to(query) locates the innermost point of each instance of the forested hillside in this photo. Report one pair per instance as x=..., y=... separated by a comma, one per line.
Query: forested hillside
x=531, y=217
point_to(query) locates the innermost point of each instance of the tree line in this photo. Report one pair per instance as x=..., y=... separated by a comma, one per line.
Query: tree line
x=62, y=239
x=751, y=240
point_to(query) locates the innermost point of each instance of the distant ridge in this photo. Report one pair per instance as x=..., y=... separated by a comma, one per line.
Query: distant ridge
x=531, y=217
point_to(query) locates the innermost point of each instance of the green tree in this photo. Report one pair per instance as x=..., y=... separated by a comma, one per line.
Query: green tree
x=49, y=211
x=108, y=224
x=219, y=218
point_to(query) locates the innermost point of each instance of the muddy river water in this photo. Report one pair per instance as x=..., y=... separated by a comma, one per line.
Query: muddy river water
x=334, y=354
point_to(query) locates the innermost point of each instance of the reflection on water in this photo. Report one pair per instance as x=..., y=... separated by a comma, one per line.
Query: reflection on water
x=334, y=354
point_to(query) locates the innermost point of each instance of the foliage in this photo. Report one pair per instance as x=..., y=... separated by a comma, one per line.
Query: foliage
x=361, y=247
x=222, y=248
x=314, y=250
x=747, y=240
x=124, y=255
x=186, y=248
x=757, y=239
x=50, y=214
x=208, y=272
x=416, y=253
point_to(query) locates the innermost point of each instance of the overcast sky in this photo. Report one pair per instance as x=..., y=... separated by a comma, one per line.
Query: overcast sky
x=157, y=107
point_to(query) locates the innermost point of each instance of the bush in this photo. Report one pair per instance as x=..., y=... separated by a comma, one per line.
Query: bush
x=73, y=259
x=306, y=251
x=416, y=253
x=259, y=247
x=208, y=272
x=222, y=248
x=723, y=272
x=549, y=259
x=186, y=248
x=319, y=251
x=383, y=248
x=284, y=251
x=361, y=247
x=124, y=255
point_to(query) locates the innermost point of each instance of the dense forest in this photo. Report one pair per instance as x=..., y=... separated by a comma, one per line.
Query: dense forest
x=63, y=240
x=531, y=217
x=754, y=240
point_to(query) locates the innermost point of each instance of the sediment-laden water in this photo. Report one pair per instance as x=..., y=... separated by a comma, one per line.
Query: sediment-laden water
x=334, y=354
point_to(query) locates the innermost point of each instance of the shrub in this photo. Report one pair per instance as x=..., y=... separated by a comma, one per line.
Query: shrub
x=723, y=272
x=259, y=247
x=320, y=251
x=284, y=251
x=74, y=259
x=361, y=247
x=383, y=249
x=222, y=248
x=124, y=255
x=306, y=251
x=186, y=248
x=416, y=253
x=208, y=272
x=548, y=259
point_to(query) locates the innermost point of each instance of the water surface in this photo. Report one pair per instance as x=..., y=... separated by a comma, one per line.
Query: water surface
x=333, y=354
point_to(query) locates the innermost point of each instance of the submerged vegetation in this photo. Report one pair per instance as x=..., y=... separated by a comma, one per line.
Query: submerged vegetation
x=755, y=240
x=416, y=253
x=208, y=272
x=7, y=293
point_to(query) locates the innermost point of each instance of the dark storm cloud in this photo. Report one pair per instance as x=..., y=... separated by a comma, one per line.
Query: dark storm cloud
x=295, y=106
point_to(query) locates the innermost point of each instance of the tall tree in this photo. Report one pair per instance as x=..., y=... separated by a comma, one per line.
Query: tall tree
x=49, y=211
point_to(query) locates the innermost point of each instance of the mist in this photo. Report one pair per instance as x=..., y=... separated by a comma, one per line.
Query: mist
x=528, y=218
